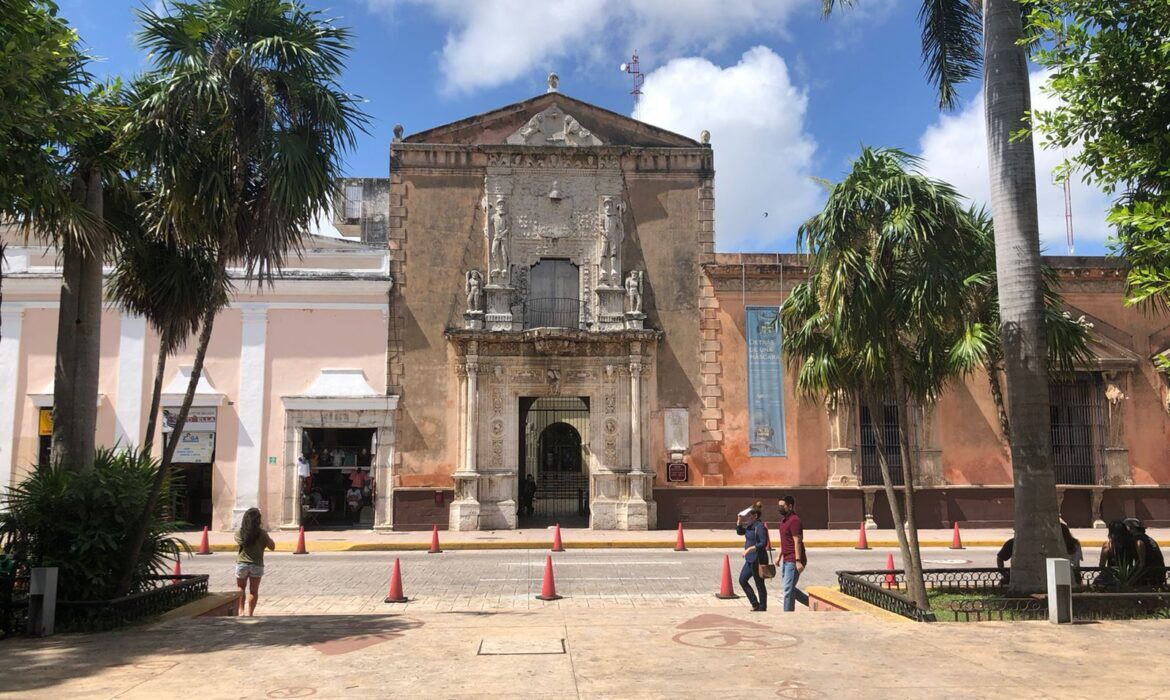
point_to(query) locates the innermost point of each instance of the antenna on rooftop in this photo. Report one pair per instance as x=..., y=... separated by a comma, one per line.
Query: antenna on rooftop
x=633, y=69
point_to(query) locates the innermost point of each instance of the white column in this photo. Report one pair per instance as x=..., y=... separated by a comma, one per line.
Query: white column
x=131, y=357
x=635, y=414
x=11, y=318
x=249, y=450
x=470, y=462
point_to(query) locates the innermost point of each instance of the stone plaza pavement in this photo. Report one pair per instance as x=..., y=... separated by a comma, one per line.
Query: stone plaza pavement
x=699, y=652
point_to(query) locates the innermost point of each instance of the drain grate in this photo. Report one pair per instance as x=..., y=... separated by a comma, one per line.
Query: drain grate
x=520, y=647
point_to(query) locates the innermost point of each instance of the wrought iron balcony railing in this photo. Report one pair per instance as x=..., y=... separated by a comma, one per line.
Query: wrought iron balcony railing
x=549, y=313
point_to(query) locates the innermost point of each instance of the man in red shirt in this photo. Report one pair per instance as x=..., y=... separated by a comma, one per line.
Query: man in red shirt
x=792, y=554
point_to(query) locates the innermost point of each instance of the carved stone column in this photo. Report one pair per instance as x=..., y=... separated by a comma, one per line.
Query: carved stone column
x=930, y=467
x=639, y=514
x=1116, y=468
x=464, y=512
x=843, y=465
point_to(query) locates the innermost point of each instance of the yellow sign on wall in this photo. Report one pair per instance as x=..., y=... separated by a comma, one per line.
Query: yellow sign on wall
x=46, y=422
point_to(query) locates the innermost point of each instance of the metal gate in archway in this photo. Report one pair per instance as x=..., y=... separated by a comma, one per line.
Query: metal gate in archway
x=554, y=452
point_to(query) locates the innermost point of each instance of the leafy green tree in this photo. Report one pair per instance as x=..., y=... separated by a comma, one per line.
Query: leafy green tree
x=242, y=126
x=952, y=33
x=56, y=161
x=1110, y=63
x=884, y=304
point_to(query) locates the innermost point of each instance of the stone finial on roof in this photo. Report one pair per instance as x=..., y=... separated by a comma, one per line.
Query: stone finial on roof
x=553, y=81
x=397, y=133
x=705, y=137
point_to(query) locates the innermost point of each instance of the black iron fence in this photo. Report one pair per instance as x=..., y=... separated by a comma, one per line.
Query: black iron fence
x=167, y=592
x=1096, y=594
x=549, y=313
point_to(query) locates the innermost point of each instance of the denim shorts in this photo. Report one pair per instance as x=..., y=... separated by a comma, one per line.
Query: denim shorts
x=249, y=570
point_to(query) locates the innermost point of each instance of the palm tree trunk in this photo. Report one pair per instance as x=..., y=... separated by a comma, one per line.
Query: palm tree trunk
x=1012, y=167
x=160, y=368
x=915, y=587
x=1005, y=425
x=75, y=377
x=909, y=474
x=134, y=548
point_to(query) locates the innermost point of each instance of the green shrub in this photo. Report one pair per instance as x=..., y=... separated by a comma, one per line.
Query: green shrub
x=79, y=522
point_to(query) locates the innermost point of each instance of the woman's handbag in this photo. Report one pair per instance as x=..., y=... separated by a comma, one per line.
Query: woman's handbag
x=766, y=570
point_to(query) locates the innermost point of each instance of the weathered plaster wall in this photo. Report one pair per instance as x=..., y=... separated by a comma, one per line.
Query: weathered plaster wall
x=442, y=237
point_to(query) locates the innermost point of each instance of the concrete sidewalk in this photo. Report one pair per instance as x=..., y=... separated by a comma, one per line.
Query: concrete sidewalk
x=584, y=538
x=555, y=653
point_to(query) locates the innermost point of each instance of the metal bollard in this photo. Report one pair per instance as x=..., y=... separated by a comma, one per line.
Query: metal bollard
x=42, y=601
x=1059, y=591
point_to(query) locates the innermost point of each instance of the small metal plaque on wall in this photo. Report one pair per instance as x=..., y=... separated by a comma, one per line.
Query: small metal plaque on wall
x=676, y=471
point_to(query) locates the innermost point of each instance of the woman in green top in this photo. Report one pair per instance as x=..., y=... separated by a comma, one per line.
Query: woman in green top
x=251, y=542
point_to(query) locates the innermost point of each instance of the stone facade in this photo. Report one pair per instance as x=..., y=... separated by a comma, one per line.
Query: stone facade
x=616, y=208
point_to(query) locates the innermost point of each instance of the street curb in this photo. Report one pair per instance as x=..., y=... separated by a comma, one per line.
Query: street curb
x=848, y=603
x=349, y=546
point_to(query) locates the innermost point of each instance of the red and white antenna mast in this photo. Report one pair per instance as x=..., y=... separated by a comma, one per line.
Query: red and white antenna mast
x=633, y=69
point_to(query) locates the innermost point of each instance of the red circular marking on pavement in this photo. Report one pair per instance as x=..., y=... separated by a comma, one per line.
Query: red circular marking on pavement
x=735, y=639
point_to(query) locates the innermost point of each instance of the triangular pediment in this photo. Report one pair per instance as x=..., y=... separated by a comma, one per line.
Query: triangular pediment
x=1111, y=347
x=522, y=123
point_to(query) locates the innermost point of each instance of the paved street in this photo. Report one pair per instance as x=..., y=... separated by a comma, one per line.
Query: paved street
x=357, y=582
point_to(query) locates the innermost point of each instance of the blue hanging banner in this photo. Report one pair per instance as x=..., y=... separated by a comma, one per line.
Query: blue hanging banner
x=765, y=382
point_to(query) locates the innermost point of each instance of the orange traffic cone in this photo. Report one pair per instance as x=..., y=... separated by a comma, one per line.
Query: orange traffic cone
x=204, y=546
x=725, y=590
x=395, y=594
x=862, y=540
x=301, y=542
x=557, y=545
x=548, y=589
x=177, y=571
x=956, y=541
x=434, y=540
x=891, y=582
x=680, y=545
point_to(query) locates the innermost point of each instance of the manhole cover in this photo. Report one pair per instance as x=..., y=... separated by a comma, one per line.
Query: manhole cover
x=514, y=647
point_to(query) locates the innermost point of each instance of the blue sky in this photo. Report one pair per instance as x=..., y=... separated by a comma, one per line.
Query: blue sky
x=787, y=96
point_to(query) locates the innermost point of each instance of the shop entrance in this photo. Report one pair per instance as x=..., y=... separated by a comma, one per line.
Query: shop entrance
x=339, y=491
x=554, y=452
x=191, y=494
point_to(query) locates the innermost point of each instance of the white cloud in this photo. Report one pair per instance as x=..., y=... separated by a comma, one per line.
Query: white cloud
x=493, y=42
x=763, y=155
x=955, y=150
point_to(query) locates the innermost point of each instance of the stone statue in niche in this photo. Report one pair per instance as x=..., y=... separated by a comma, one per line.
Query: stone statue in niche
x=634, y=291
x=612, y=234
x=499, y=228
x=474, y=290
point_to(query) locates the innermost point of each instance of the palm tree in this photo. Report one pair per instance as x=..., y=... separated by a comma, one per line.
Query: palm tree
x=243, y=125
x=981, y=348
x=883, y=305
x=172, y=286
x=952, y=32
x=80, y=229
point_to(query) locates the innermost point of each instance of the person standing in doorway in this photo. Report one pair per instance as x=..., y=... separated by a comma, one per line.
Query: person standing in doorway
x=251, y=541
x=792, y=554
x=755, y=551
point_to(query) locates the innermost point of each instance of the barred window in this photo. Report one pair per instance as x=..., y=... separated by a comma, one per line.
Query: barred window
x=1078, y=428
x=871, y=471
x=353, y=201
